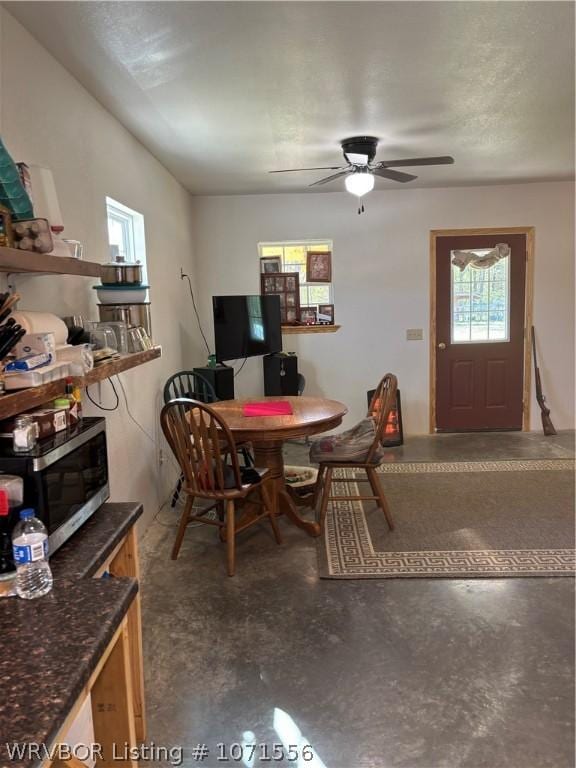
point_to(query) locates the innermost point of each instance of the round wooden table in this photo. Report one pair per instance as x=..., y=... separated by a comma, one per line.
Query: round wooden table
x=310, y=416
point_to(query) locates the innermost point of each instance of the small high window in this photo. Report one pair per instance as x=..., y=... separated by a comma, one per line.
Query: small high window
x=126, y=234
x=293, y=257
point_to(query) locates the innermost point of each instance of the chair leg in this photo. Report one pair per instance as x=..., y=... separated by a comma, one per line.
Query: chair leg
x=176, y=494
x=325, y=497
x=230, y=537
x=222, y=518
x=267, y=501
x=182, y=526
x=379, y=493
x=318, y=485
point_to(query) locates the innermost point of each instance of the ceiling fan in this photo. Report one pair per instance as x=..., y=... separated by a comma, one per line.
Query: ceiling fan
x=360, y=170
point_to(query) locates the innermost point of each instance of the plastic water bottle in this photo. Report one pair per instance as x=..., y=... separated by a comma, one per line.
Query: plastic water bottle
x=30, y=548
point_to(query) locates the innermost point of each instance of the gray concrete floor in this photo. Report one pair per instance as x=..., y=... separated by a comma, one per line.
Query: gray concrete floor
x=417, y=673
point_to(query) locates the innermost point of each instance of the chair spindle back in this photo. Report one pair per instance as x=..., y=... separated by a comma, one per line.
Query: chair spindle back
x=383, y=400
x=190, y=385
x=201, y=442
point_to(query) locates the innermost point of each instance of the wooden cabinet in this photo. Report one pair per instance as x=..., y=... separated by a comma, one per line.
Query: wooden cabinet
x=125, y=562
x=110, y=689
x=116, y=687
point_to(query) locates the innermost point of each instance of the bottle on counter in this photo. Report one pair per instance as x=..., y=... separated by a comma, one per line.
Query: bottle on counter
x=11, y=496
x=74, y=396
x=77, y=393
x=6, y=562
x=30, y=549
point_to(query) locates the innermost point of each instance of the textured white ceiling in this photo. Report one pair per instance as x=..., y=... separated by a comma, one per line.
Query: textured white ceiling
x=222, y=92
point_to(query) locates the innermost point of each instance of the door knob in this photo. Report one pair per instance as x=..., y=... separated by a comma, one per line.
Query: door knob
x=441, y=345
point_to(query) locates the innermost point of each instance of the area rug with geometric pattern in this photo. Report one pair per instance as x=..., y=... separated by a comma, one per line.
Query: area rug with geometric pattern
x=481, y=519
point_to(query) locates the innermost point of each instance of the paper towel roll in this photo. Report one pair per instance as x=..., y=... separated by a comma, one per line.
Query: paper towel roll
x=42, y=322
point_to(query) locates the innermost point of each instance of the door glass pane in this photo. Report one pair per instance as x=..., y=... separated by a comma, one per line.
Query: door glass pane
x=480, y=308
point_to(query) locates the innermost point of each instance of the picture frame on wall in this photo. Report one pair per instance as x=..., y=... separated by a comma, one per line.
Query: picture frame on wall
x=292, y=282
x=285, y=285
x=319, y=267
x=326, y=314
x=308, y=316
x=270, y=265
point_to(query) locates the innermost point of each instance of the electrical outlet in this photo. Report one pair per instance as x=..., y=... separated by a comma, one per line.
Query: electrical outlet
x=414, y=334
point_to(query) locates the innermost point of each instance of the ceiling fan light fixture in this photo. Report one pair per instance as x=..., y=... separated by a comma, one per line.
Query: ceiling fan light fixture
x=357, y=159
x=359, y=183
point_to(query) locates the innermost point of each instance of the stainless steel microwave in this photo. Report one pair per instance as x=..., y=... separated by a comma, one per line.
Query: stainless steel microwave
x=65, y=477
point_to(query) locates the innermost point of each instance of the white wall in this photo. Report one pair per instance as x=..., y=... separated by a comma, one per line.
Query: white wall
x=381, y=281
x=47, y=118
x=380, y=259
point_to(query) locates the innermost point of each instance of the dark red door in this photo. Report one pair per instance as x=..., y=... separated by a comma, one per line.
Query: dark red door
x=480, y=306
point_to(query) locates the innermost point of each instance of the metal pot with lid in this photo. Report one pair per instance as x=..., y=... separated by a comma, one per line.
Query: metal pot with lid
x=120, y=272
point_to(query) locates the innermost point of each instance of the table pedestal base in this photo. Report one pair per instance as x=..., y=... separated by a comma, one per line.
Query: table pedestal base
x=269, y=455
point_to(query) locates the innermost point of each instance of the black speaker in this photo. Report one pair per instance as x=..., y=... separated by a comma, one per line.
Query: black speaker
x=280, y=374
x=221, y=378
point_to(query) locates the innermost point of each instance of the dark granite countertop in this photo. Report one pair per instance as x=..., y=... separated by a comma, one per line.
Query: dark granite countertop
x=82, y=555
x=49, y=647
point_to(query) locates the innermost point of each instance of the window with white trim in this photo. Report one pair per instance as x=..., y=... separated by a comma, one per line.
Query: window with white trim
x=126, y=234
x=293, y=256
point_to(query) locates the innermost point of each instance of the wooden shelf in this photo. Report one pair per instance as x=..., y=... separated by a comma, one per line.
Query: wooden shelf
x=310, y=328
x=20, y=400
x=28, y=262
x=124, y=363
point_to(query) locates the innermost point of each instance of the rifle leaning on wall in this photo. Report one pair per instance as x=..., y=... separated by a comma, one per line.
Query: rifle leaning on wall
x=547, y=425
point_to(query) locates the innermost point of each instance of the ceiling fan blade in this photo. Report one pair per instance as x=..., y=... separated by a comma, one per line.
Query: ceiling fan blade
x=444, y=160
x=388, y=173
x=331, y=178
x=295, y=170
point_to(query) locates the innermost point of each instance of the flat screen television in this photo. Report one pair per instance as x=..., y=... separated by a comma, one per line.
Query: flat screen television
x=245, y=326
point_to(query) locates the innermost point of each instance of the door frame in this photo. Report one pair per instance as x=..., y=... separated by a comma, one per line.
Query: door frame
x=528, y=300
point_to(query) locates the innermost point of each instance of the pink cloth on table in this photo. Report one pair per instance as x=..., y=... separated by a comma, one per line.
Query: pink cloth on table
x=268, y=408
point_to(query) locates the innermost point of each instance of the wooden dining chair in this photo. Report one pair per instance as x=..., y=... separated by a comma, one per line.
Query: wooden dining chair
x=378, y=411
x=191, y=385
x=194, y=386
x=201, y=442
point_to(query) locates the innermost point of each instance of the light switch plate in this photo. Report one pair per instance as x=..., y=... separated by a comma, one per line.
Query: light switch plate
x=414, y=334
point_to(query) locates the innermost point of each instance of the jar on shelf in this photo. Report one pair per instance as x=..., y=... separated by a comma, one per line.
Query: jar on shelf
x=25, y=434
